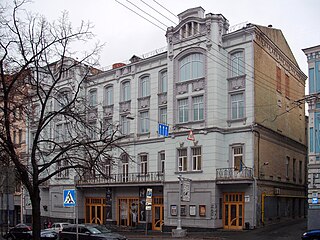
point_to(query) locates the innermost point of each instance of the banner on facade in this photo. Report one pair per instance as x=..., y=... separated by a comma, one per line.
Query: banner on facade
x=186, y=189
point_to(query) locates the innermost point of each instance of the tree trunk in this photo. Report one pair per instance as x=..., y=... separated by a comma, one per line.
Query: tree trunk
x=36, y=213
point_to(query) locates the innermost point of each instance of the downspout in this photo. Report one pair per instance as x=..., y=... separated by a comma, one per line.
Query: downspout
x=263, y=195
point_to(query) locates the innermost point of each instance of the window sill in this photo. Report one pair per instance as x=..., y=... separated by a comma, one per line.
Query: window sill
x=188, y=172
x=236, y=120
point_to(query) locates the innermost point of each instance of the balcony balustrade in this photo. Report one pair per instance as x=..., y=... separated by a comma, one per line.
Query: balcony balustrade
x=228, y=174
x=130, y=178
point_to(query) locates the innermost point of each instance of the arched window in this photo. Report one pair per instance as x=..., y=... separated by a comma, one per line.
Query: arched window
x=93, y=98
x=191, y=67
x=237, y=64
x=145, y=86
x=108, y=95
x=125, y=91
x=163, y=82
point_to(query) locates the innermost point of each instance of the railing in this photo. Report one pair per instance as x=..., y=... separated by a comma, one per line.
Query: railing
x=234, y=174
x=150, y=177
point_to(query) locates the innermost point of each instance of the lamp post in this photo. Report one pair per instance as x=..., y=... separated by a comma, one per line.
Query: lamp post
x=179, y=232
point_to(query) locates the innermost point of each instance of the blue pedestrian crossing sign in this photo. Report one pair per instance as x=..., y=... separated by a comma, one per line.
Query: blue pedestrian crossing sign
x=163, y=130
x=69, y=198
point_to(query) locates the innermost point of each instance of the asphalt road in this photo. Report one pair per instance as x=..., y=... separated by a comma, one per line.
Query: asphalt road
x=289, y=230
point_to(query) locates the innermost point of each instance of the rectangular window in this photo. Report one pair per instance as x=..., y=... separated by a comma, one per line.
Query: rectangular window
x=108, y=166
x=14, y=137
x=162, y=159
x=196, y=159
x=278, y=77
x=294, y=169
x=64, y=173
x=237, y=156
x=287, y=86
x=59, y=133
x=108, y=96
x=237, y=106
x=182, y=160
x=300, y=171
x=125, y=125
x=311, y=81
x=144, y=122
x=311, y=139
x=144, y=164
x=183, y=110
x=92, y=131
x=198, y=108
x=287, y=166
x=107, y=126
x=20, y=136
x=163, y=115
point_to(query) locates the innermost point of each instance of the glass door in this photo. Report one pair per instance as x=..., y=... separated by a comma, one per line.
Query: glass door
x=233, y=211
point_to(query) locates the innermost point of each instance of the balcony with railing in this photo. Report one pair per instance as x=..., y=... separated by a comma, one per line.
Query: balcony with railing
x=121, y=179
x=232, y=175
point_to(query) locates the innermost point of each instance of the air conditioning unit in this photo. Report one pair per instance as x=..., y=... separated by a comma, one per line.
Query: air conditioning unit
x=276, y=191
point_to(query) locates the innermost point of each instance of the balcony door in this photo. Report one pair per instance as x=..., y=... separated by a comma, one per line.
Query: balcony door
x=125, y=167
x=233, y=211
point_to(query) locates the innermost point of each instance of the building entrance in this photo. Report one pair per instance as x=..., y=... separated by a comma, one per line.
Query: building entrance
x=157, y=213
x=233, y=211
x=95, y=210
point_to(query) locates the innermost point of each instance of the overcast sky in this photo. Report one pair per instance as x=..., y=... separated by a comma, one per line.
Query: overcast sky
x=125, y=33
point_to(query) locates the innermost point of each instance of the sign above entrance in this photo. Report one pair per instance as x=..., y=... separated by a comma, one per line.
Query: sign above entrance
x=69, y=198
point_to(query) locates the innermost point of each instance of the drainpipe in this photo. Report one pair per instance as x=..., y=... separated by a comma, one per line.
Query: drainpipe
x=263, y=195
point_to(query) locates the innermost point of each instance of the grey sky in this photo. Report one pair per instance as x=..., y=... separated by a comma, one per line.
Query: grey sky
x=125, y=33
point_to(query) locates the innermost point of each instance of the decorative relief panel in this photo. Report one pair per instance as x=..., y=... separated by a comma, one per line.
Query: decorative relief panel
x=108, y=111
x=162, y=98
x=236, y=83
x=182, y=88
x=125, y=106
x=92, y=114
x=144, y=102
x=198, y=85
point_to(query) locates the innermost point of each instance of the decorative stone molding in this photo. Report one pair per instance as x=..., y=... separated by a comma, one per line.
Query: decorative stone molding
x=144, y=102
x=236, y=83
x=125, y=106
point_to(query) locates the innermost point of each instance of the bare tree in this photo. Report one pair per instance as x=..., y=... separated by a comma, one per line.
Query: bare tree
x=44, y=88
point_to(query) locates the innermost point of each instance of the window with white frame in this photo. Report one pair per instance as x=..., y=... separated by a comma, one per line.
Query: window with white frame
x=92, y=131
x=63, y=98
x=182, y=160
x=163, y=115
x=196, y=159
x=59, y=133
x=145, y=86
x=183, y=112
x=108, y=95
x=93, y=98
x=237, y=64
x=126, y=91
x=237, y=105
x=198, y=113
x=125, y=167
x=124, y=125
x=144, y=122
x=191, y=67
x=237, y=157
x=62, y=173
x=162, y=160
x=163, y=82
x=108, y=126
x=108, y=167
x=143, y=164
